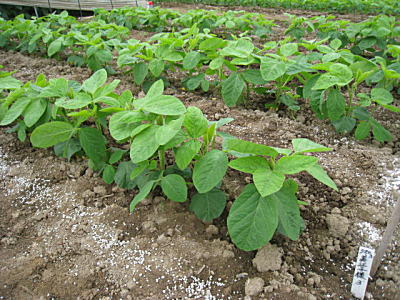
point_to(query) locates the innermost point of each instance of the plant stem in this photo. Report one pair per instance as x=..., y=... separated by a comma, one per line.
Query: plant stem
x=351, y=95
x=271, y=163
x=161, y=157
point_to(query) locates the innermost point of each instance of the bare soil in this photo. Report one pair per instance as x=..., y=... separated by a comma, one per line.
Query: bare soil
x=64, y=234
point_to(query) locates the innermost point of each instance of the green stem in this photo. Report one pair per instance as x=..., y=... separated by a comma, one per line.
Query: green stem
x=271, y=163
x=161, y=157
x=351, y=90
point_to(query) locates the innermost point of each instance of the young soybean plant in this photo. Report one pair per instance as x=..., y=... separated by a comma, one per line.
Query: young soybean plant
x=270, y=203
x=69, y=109
x=158, y=123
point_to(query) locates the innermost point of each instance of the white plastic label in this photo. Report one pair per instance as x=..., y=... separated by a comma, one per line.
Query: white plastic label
x=361, y=273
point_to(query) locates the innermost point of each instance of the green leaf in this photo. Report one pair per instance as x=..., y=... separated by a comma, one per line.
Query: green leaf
x=191, y=60
x=232, y=89
x=108, y=174
x=209, y=170
x=194, y=82
x=57, y=88
x=282, y=151
x=176, y=140
x=144, y=145
x=222, y=122
x=79, y=101
x=108, y=89
x=156, y=89
x=116, y=155
x=50, y=134
x=156, y=66
x=144, y=192
x=268, y=181
x=336, y=105
x=174, y=187
x=34, y=111
x=344, y=124
x=9, y=83
x=342, y=72
x=195, y=122
x=186, y=152
x=253, y=76
x=302, y=145
x=93, y=143
x=95, y=81
x=272, y=69
x=295, y=163
x=325, y=81
x=288, y=49
x=208, y=206
x=252, y=219
x=241, y=48
x=139, y=129
x=21, y=132
x=140, y=71
x=164, y=105
x=363, y=130
x=55, y=46
x=212, y=44
x=123, y=123
x=389, y=107
x=15, y=111
x=380, y=133
x=381, y=95
x=216, y=63
x=335, y=44
x=122, y=176
x=320, y=174
x=250, y=148
x=166, y=132
x=139, y=168
x=288, y=210
x=68, y=148
x=249, y=164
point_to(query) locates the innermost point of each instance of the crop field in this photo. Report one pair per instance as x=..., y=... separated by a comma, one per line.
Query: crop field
x=213, y=150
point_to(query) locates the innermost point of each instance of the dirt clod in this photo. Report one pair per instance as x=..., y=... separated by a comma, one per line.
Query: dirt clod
x=268, y=258
x=254, y=286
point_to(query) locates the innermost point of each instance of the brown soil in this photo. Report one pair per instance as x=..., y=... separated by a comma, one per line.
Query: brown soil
x=66, y=235
x=277, y=14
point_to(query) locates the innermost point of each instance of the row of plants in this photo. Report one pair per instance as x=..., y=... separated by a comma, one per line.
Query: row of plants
x=88, y=44
x=172, y=150
x=374, y=34
x=368, y=38
x=329, y=77
x=389, y=7
x=162, y=20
